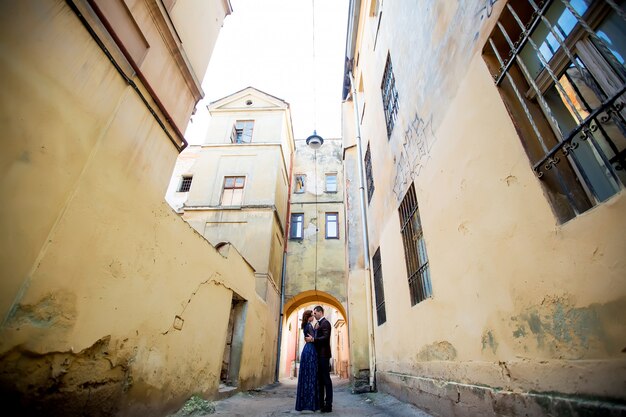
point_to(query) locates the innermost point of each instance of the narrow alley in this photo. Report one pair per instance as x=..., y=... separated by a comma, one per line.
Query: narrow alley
x=424, y=199
x=278, y=400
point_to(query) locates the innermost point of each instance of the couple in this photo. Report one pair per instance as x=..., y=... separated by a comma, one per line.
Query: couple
x=314, y=375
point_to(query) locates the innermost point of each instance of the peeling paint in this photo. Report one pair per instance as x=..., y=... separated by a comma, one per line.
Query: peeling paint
x=56, y=309
x=64, y=383
x=562, y=330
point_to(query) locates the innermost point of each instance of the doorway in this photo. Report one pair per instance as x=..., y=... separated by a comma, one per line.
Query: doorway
x=231, y=360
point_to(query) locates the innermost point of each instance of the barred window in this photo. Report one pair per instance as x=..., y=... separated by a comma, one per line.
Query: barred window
x=562, y=75
x=185, y=184
x=242, y=131
x=390, y=96
x=296, y=230
x=232, y=194
x=415, y=255
x=378, y=288
x=368, y=174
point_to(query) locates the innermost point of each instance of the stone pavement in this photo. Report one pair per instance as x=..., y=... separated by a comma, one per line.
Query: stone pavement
x=279, y=400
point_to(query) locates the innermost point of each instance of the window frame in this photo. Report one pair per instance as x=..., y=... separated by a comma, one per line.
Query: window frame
x=295, y=236
x=572, y=163
x=369, y=174
x=379, y=289
x=235, y=135
x=415, y=255
x=185, y=184
x=234, y=187
x=390, y=96
x=326, y=222
x=302, y=189
x=331, y=174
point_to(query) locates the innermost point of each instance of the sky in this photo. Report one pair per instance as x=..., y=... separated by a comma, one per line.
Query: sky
x=268, y=44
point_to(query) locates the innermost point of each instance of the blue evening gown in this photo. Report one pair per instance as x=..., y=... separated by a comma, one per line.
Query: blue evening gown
x=307, y=395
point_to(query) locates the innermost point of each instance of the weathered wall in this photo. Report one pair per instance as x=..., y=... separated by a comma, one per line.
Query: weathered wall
x=316, y=262
x=95, y=266
x=359, y=306
x=522, y=307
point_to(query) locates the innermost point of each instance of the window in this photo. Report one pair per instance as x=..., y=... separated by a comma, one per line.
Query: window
x=242, y=131
x=332, y=226
x=378, y=288
x=390, y=96
x=185, y=184
x=415, y=255
x=331, y=183
x=232, y=195
x=299, y=183
x=297, y=226
x=561, y=72
x=368, y=174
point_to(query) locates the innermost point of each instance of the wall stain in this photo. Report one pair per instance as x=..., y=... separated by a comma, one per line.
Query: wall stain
x=56, y=309
x=488, y=340
x=437, y=351
x=567, y=332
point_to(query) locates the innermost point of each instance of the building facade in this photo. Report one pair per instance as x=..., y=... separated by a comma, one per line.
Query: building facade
x=236, y=189
x=492, y=146
x=315, y=255
x=112, y=304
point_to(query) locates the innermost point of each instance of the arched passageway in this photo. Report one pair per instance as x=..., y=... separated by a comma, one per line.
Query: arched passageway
x=292, y=340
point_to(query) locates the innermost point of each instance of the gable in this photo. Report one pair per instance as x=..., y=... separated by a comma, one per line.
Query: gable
x=249, y=98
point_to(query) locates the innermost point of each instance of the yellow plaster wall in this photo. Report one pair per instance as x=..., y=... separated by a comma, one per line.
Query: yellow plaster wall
x=509, y=283
x=103, y=264
x=520, y=303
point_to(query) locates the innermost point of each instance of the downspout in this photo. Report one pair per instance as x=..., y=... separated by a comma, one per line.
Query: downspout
x=366, y=242
x=282, y=275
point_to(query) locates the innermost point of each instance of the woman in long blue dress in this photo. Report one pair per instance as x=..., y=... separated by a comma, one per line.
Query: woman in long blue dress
x=307, y=395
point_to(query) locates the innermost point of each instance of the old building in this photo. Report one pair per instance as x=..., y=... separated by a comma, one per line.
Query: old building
x=111, y=303
x=492, y=148
x=315, y=256
x=235, y=190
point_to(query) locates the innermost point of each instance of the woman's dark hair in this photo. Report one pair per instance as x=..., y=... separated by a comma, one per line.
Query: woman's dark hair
x=305, y=317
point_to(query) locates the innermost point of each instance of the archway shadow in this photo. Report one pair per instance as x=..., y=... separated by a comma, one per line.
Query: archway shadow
x=311, y=297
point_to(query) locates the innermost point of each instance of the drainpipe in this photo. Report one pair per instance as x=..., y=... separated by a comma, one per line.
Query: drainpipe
x=282, y=275
x=366, y=242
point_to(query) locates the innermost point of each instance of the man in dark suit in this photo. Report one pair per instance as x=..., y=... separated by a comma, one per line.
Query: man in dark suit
x=322, y=346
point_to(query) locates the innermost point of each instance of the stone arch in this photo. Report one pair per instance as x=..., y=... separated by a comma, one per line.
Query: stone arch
x=291, y=338
x=313, y=296
x=223, y=248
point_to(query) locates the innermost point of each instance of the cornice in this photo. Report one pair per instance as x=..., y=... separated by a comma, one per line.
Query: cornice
x=171, y=39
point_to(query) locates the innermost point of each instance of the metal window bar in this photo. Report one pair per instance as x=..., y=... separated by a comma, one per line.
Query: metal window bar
x=585, y=125
x=185, y=185
x=416, y=257
x=518, y=94
x=369, y=174
x=552, y=162
x=378, y=288
x=571, y=107
x=390, y=96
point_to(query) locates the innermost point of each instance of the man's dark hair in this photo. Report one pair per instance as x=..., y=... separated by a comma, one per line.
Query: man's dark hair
x=319, y=308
